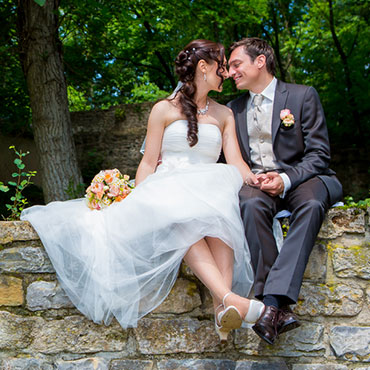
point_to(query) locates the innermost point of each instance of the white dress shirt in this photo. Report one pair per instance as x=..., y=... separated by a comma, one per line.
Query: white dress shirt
x=262, y=154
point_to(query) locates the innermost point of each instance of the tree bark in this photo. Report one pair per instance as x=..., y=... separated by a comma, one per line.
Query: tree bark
x=42, y=63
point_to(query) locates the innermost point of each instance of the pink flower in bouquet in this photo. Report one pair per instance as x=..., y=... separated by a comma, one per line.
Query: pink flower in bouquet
x=94, y=204
x=98, y=189
x=113, y=190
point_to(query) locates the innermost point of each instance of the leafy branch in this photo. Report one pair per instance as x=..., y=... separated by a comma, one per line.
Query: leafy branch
x=23, y=179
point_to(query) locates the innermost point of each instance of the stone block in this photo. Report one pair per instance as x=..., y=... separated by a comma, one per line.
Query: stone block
x=25, y=363
x=319, y=367
x=254, y=365
x=185, y=271
x=16, y=331
x=77, y=334
x=42, y=295
x=160, y=336
x=306, y=340
x=93, y=363
x=131, y=365
x=199, y=364
x=330, y=300
x=11, y=291
x=184, y=297
x=339, y=221
x=351, y=343
x=207, y=303
x=25, y=259
x=11, y=231
x=352, y=261
x=316, y=267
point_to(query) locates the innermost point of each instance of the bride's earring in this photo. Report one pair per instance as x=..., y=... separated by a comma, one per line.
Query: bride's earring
x=204, y=76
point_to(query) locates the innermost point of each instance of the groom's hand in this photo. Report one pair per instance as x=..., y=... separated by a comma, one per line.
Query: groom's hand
x=271, y=183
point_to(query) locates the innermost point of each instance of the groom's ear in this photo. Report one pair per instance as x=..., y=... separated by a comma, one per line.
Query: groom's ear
x=260, y=61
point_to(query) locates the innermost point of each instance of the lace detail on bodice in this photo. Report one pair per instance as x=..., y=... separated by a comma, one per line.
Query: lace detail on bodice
x=176, y=151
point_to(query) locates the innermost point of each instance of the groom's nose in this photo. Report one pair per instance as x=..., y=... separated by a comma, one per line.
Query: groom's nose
x=231, y=72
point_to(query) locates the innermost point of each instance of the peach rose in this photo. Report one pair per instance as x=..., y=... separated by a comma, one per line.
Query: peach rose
x=108, y=177
x=113, y=191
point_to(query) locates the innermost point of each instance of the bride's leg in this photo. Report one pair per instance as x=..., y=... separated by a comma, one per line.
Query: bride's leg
x=202, y=262
x=224, y=258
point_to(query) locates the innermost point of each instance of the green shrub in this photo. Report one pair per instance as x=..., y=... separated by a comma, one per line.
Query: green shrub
x=22, y=180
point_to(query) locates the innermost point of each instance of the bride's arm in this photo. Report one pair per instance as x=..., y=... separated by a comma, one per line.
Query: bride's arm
x=155, y=129
x=232, y=151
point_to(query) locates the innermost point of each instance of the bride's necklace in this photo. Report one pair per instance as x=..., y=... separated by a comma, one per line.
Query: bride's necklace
x=204, y=110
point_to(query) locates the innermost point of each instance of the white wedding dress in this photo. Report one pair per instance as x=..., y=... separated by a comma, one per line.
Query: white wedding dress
x=122, y=261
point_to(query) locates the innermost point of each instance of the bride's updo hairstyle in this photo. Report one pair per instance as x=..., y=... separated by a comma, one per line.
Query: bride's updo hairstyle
x=186, y=63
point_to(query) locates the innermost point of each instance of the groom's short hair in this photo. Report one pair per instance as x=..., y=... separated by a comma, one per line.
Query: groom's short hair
x=253, y=46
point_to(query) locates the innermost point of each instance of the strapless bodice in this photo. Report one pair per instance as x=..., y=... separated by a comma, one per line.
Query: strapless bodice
x=176, y=151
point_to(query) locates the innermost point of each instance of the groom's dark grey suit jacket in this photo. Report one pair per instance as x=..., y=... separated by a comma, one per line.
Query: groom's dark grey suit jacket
x=302, y=150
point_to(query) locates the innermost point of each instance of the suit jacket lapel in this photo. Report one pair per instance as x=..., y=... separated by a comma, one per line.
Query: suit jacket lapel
x=281, y=95
x=241, y=123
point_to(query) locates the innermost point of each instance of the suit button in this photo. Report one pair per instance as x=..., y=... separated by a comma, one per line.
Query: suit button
x=263, y=155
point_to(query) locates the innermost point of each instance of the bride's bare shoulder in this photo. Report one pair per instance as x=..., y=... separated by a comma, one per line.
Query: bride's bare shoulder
x=166, y=106
x=168, y=110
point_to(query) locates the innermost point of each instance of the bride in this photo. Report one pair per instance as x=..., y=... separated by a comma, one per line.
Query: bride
x=122, y=261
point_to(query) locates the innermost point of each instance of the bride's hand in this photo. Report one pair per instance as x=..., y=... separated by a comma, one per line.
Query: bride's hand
x=251, y=180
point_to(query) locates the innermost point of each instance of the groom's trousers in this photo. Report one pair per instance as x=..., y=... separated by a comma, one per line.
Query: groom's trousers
x=282, y=273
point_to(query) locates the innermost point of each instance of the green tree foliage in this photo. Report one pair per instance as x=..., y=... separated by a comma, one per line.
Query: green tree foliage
x=332, y=54
x=119, y=51
x=15, y=106
x=114, y=47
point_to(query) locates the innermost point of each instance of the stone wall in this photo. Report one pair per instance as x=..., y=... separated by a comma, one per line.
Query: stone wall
x=40, y=329
x=112, y=139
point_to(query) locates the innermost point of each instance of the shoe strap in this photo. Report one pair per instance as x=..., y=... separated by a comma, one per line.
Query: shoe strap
x=224, y=298
x=220, y=305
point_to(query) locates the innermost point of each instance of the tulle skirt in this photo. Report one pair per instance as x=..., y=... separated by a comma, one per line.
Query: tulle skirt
x=122, y=261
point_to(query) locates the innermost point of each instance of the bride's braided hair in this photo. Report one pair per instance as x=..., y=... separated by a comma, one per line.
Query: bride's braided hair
x=186, y=63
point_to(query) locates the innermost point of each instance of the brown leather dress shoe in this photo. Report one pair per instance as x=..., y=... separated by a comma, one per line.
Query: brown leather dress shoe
x=265, y=327
x=287, y=320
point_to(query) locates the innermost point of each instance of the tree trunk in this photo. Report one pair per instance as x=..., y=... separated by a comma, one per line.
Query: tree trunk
x=42, y=63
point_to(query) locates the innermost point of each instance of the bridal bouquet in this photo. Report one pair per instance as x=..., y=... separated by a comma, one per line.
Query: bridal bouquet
x=108, y=186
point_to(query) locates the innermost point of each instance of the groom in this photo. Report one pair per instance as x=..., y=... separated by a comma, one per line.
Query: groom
x=283, y=137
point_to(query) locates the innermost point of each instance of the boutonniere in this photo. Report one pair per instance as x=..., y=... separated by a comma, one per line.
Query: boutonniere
x=287, y=119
